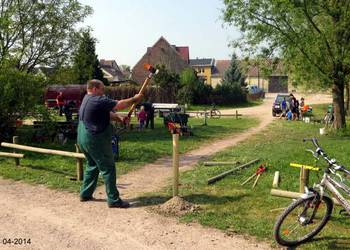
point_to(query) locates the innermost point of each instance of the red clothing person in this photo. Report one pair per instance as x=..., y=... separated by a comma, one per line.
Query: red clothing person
x=60, y=102
x=142, y=116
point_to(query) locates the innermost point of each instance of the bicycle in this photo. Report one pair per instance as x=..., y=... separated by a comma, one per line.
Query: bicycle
x=305, y=218
x=212, y=113
x=328, y=119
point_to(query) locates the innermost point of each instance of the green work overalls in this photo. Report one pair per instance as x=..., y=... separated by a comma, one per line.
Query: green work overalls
x=98, y=152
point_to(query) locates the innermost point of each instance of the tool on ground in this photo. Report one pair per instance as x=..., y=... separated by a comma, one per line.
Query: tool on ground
x=304, y=166
x=152, y=71
x=257, y=173
x=222, y=175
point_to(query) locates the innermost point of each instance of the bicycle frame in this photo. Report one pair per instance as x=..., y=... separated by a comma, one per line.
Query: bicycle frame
x=332, y=186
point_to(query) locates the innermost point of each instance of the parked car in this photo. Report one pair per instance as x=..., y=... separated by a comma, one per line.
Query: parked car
x=276, y=106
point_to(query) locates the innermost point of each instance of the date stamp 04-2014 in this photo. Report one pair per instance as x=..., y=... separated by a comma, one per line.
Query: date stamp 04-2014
x=16, y=241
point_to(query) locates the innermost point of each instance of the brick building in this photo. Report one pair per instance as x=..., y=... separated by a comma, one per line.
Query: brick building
x=175, y=59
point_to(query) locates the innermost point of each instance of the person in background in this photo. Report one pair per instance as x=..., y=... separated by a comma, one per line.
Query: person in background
x=283, y=107
x=142, y=116
x=60, y=102
x=150, y=114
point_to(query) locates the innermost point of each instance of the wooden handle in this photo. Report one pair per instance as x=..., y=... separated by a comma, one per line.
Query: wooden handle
x=144, y=85
x=256, y=180
x=251, y=177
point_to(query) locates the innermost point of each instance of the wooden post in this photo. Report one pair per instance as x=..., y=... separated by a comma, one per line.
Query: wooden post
x=236, y=114
x=220, y=163
x=176, y=164
x=294, y=195
x=304, y=179
x=80, y=173
x=15, y=140
x=276, y=179
x=222, y=175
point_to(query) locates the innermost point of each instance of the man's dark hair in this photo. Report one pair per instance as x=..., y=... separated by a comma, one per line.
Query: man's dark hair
x=94, y=83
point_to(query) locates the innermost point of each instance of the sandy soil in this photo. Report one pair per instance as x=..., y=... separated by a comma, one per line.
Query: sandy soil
x=57, y=220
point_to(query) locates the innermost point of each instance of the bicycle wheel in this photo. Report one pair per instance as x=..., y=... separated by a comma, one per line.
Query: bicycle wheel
x=216, y=114
x=200, y=114
x=302, y=220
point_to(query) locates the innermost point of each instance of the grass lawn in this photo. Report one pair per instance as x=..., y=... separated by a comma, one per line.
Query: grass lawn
x=136, y=149
x=233, y=208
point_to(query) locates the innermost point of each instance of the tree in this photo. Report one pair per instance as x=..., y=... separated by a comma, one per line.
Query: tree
x=19, y=91
x=312, y=36
x=233, y=75
x=167, y=81
x=86, y=65
x=39, y=32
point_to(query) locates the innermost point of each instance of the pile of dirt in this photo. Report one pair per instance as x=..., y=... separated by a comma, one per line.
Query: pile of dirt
x=177, y=206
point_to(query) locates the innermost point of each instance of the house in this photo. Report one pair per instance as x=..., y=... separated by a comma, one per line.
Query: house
x=204, y=68
x=219, y=70
x=273, y=82
x=174, y=58
x=111, y=71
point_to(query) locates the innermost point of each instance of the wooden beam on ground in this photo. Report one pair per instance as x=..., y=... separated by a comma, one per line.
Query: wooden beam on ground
x=43, y=150
x=220, y=163
x=12, y=155
x=222, y=175
x=292, y=195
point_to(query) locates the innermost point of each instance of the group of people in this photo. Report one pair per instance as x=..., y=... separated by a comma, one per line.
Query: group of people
x=65, y=107
x=292, y=109
x=145, y=116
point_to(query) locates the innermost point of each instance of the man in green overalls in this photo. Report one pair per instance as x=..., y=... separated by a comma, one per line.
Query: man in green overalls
x=94, y=139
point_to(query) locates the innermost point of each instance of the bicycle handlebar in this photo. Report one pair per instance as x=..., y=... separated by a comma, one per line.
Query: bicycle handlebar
x=320, y=151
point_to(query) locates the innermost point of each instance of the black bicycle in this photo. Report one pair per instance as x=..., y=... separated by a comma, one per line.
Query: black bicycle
x=306, y=217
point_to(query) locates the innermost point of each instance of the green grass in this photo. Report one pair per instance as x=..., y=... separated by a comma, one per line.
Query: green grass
x=136, y=149
x=233, y=208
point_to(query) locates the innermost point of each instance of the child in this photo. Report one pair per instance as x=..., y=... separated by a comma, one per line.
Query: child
x=142, y=116
x=284, y=108
x=289, y=115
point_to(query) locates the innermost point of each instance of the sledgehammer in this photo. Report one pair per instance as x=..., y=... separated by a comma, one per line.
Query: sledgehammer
x=152, y=71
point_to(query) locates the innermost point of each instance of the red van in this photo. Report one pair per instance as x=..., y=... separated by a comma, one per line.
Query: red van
x=73, y=92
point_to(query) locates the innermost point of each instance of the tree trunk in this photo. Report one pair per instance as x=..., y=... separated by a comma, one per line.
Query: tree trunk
x=347, y=100
x=338, y=104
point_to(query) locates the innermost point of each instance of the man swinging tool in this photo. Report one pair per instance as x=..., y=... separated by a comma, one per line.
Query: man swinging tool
x=94, y=139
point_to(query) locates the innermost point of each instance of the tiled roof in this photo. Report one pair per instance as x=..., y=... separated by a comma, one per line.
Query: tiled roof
x=202, y=62
x=254, y=70
x=111, y=67
x=220, y=67
x=184, y=51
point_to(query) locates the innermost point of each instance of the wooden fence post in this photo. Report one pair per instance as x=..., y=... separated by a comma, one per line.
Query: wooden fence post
x=15, y=140
x=176, y=164
x=304, y=179
x=80, y=173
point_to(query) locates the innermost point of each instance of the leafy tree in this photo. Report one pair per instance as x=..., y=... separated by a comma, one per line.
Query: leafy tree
x=233, y=75
x=167, y=80
x=19, y=91
x=86, y=65
x=312, y=36
x=40, y=32
x=192, y=90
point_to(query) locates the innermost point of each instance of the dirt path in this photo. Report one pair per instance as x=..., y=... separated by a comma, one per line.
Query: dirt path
x=57, y=220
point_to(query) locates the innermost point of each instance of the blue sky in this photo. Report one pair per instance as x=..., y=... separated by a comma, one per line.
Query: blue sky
x=125, y=28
